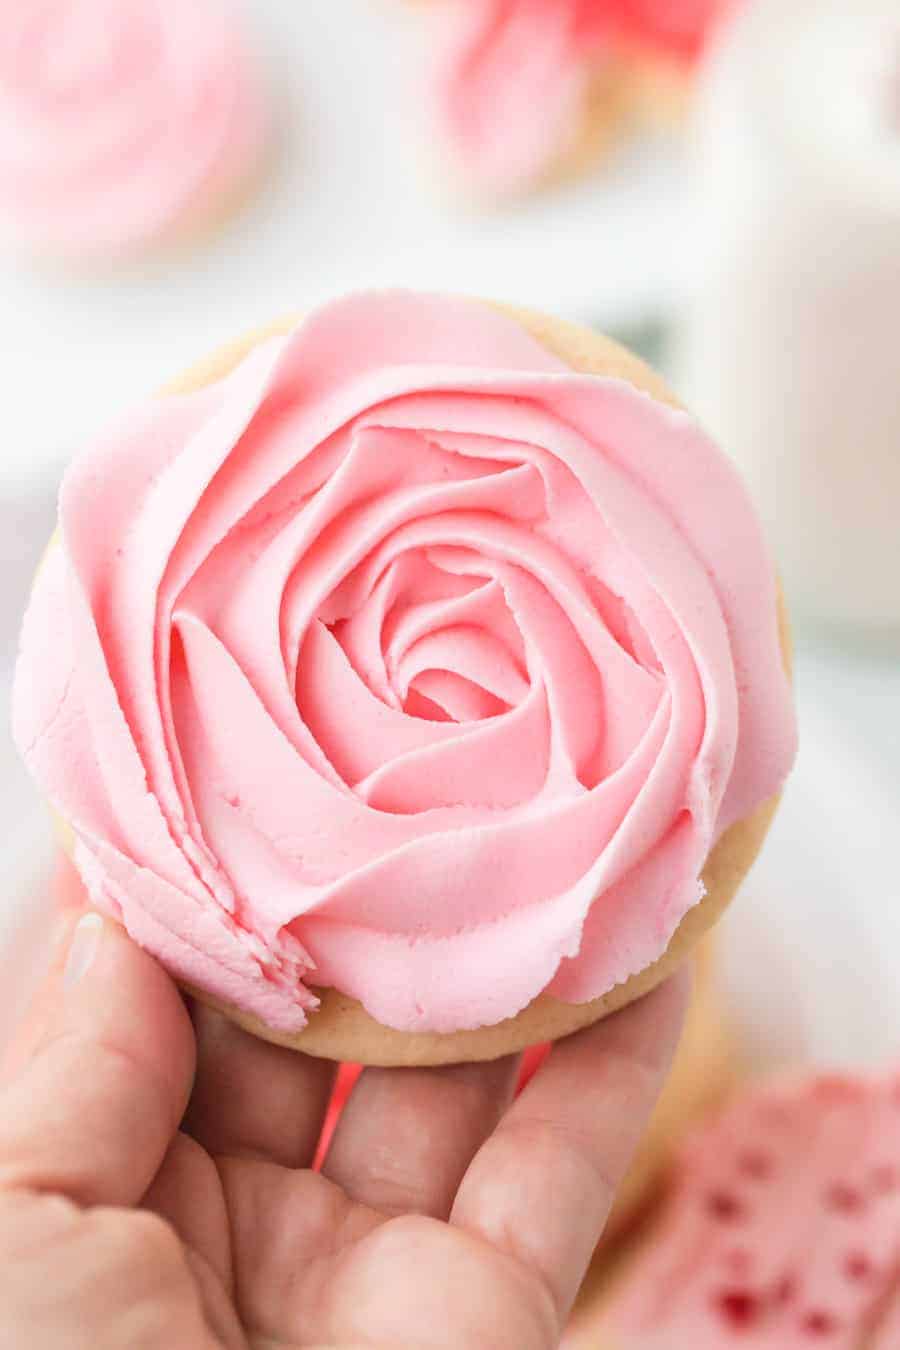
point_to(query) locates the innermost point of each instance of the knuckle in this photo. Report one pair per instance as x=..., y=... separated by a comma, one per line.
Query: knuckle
x=508, y=1302
x=391, y=1185
x=151, y=1236
x=31, y=1221
x=139, y=1238
x=568, y=1152
x=119, y=1277
x=396, y=1241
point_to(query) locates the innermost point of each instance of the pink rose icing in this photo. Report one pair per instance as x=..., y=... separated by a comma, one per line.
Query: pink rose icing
x=783, y=1231
x=403, y=660
x=120, y=118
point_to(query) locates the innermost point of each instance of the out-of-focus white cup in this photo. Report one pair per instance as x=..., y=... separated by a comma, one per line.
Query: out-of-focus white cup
x=792, y=353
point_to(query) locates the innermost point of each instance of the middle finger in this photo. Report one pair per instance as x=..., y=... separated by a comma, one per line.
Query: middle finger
x=406, y=1136
x=252, y=1099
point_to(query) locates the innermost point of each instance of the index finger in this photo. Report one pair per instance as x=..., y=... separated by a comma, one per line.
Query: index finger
x=94, y=1110
x=542, y=1186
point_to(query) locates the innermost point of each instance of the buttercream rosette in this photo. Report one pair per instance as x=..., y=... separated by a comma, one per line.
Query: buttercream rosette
x=392, y=656
x=123, y=123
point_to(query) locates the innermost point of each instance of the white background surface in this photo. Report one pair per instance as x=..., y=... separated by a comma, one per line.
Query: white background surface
x=811, y=947
x=350, y=201
x=811, y=950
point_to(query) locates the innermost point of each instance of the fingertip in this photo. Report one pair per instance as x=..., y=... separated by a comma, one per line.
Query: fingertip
x=681, y=983
x=38, y=1006
x=114, y=990
x=646, y=1031
x=111, y=993
x=94, y=1110
x=665, y=1008
x=563, y=1147
x=67, y=887
x=672, y=1004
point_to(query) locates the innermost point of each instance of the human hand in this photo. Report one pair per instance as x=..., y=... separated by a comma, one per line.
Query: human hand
x=155, y=1191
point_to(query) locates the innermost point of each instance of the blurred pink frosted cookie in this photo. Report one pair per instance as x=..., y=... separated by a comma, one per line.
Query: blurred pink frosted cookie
x=123, y=123
x=525, y=92
x=782, y=1232
x=664, y=41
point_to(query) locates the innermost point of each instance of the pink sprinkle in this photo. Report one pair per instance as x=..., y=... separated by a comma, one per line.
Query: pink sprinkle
x=844, y=1199
x=739, y=1308
x=724, y=1206
x=755, y=1165
x=819, y=1324
x=857, y=1266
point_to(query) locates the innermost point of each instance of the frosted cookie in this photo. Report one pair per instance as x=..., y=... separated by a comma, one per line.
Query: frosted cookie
x=412, y=679
x=782, y=1231
x=525, y=93
x=126, y=124
x=664, y=42
x=522, y=94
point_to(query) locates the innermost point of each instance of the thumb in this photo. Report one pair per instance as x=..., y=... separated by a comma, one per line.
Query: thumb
x=93, y=1112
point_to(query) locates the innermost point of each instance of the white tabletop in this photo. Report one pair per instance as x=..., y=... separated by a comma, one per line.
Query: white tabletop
x=350, y=200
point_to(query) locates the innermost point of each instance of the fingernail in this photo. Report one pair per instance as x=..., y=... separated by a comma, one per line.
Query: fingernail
x=83, y=948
